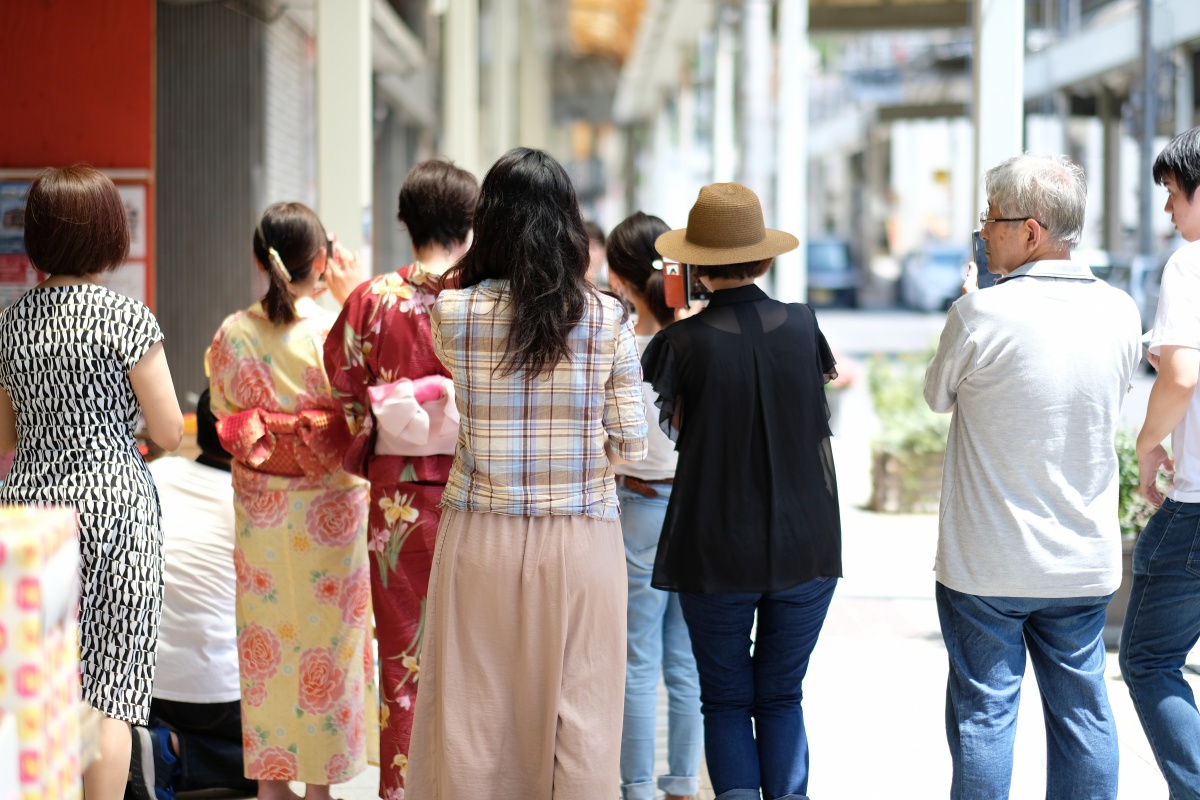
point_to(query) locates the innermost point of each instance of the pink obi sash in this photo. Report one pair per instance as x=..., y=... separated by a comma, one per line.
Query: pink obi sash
x=310, y=443
x=415, y=418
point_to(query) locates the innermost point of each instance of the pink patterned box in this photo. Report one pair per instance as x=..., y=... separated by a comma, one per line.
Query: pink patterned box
x=39, y=650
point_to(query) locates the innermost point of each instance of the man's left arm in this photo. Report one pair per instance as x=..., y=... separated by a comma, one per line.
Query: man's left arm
x=1170, y=397
x=954, y=360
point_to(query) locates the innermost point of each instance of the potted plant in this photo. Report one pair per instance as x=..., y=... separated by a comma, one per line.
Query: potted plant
x=908, y=455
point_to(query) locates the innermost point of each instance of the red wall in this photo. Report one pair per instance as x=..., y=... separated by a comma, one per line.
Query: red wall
x=77, y=83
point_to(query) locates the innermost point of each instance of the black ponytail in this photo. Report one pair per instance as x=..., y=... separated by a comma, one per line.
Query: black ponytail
x=632, y=257
x=296, y=236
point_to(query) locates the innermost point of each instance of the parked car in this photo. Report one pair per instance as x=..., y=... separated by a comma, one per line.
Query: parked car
x=832, y=276
x=932, y=278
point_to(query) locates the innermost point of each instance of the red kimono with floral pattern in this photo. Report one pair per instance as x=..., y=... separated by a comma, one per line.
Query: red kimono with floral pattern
x=381, y=336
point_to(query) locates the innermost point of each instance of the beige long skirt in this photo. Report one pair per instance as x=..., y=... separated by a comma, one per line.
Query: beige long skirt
x=522, y=673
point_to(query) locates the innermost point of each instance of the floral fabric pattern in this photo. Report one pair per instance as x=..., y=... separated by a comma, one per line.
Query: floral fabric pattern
x=303, y=592
x=383, y=335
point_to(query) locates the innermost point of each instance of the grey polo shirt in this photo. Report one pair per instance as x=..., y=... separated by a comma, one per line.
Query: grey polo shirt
x=1035, y=370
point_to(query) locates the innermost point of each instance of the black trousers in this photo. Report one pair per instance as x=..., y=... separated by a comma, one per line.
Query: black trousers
x=210, y=744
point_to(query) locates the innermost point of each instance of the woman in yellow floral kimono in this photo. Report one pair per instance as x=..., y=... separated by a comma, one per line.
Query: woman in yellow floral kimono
x=382, y=339
x=303, y=595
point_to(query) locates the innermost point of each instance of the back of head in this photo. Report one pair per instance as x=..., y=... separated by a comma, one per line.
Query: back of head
x=1180, y=161
x=631, y=257
x=206, y=431
x=75, y=222
x=287, y=240
x=528, y=231
x=437, y=203
x=1051, y=189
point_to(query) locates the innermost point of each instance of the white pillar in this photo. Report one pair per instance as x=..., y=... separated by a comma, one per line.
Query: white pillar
x=791, y=161
x=724, y=145
x=502, y=91
x=460, y=89
x=756, y=140
x=1185, y=78
x=998, y=107
x=344, y=122
x=534, y=75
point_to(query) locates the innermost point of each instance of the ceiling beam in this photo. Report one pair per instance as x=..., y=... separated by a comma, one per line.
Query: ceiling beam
x=888, y=16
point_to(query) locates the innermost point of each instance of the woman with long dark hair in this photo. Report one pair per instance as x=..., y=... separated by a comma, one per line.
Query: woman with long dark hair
x=658, y=637
x=524, y=653
x=303, y=592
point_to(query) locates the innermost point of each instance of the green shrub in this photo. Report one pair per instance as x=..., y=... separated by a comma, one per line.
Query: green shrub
x=1132, y=509
x=907, y=426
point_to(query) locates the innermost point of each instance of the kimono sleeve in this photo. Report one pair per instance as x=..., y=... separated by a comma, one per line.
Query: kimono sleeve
x=346, y=357
x=220, y=364
x=624, y=407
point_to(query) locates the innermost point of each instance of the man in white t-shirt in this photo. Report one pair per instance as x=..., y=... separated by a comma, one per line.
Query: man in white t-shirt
x=1162, y=623
x=194, y=739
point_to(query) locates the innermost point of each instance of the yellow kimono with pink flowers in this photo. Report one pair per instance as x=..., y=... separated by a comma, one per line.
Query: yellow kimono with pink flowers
x=303, y=590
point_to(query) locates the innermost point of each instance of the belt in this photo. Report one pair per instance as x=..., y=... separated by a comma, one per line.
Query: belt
x=644, y=488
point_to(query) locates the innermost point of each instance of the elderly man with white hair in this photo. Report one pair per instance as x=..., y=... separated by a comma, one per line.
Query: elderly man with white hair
x=1034, y=370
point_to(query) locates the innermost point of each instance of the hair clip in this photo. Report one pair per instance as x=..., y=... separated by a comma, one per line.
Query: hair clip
x=657, y=264
x=278, y=265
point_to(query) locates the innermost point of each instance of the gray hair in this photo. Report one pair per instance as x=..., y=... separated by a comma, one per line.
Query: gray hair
x=1050, y=188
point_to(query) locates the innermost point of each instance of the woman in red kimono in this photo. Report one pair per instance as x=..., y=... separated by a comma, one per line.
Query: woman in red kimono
x=399, y=404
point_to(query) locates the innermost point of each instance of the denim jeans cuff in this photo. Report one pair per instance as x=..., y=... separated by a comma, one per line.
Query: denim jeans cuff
x=740, y=794
x=638, y=791
x=674, y=784
x=793, y=797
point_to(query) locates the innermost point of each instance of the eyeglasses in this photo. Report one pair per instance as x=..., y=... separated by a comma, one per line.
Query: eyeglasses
x=984, y=219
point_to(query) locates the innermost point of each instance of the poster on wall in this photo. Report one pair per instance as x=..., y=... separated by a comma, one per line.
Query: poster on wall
x=18, y=275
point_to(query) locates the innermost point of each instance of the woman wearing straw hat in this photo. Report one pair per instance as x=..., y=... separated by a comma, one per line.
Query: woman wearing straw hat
x=753, y=523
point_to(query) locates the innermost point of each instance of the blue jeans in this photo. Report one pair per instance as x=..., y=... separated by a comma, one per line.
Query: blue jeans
x=1161, y=626
x=986, y=640
x=658, y=642
x=753, y=721
x=210, y=744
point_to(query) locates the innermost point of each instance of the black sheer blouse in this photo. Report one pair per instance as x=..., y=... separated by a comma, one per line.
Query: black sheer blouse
x=754, y=507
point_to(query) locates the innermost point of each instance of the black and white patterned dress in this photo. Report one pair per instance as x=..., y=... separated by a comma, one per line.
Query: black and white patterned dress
x=65, y=357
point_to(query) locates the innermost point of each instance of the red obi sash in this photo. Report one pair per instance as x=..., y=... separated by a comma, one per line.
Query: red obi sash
x=310, y=443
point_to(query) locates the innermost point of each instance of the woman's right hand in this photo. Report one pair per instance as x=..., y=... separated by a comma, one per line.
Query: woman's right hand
x=342, y=273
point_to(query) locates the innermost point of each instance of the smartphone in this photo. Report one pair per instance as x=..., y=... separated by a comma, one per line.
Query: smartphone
x=674, y=288
x=979, y=256
x=681, y=287
x=697, y=291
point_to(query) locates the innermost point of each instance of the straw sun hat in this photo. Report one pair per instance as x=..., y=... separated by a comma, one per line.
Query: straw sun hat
x=725, y=226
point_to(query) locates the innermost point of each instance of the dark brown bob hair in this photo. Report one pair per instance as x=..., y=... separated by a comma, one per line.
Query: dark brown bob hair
x=437, y=203
x=75, y=222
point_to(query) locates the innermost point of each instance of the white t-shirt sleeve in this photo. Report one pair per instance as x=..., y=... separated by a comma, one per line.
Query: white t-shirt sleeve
x=1177, y=321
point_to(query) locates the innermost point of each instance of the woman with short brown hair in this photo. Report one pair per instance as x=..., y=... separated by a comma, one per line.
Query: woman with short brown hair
x=79, y=364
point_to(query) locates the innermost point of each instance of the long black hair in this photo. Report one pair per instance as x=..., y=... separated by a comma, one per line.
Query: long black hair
x=528, y=230
x=293, y=231
x=631, y=257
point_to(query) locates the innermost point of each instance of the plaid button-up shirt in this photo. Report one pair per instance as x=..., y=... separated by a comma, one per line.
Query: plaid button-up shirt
x=537, y=447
